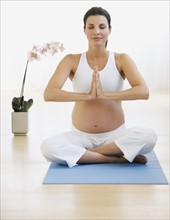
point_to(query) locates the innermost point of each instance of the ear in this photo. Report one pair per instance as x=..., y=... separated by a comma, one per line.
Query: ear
x=84, y=30
x=110, y=29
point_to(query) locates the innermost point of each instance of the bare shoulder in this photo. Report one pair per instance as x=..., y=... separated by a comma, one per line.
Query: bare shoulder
x=72, y=60
x=121, y=58
x=72, y=57
x=124, y=62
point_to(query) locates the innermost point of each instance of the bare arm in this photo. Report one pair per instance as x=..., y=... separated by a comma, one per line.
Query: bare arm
x=138, y=90
x=54, y=92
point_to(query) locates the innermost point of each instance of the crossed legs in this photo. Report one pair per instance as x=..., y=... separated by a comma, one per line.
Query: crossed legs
x=70, y=147
x=108, y=153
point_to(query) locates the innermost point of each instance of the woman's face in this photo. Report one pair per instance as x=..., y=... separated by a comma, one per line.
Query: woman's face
x=97, y=30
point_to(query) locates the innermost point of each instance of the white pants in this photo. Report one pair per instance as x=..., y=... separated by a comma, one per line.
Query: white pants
x=67, y=148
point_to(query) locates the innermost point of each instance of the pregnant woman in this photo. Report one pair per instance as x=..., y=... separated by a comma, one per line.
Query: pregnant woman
x=98, y=134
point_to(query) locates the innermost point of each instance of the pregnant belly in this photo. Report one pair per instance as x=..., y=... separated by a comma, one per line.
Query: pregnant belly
x=98, y=118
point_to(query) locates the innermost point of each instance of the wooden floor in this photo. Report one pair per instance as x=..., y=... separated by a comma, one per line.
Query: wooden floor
x=23, y=196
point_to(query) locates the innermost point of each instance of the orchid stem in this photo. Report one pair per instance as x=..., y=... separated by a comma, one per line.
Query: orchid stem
x=23, y=83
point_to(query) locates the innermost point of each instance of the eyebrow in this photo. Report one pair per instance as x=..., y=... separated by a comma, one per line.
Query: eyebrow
x=93, y=24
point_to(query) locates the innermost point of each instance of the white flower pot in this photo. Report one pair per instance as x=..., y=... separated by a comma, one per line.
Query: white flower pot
x=19, y=123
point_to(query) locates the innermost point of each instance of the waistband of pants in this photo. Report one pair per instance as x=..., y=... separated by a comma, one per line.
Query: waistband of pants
x=120, y=128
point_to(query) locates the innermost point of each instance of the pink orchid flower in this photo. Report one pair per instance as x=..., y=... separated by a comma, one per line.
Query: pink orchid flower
x=35, y=53
x=61, y=47
x=43, y=50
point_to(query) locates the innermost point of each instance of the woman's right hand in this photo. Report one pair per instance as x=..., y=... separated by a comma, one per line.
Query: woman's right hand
x=92, y=93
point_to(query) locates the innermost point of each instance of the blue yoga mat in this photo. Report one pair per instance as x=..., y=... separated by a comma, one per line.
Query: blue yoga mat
x=108, y=173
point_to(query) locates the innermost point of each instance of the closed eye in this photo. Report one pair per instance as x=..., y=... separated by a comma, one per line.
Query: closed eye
x=90, y=26
x=102, y=26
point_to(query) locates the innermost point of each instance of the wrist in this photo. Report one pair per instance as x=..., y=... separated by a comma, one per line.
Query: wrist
x=91, y=97
x=101, y=96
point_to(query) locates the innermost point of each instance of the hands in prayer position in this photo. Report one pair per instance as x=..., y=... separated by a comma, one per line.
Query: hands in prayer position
x=96, y=88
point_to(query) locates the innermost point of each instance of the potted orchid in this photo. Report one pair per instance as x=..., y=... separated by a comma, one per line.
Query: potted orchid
x=21, y=106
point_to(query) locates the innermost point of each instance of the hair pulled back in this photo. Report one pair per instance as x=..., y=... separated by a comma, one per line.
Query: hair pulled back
x=97, y=11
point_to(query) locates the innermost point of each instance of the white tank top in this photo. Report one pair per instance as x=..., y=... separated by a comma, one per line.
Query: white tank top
x=110, y=77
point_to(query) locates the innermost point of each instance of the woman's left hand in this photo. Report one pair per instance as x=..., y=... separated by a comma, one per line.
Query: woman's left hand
x=99, y=91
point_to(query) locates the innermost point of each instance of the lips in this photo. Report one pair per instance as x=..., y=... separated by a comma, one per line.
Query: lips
x=97, y=38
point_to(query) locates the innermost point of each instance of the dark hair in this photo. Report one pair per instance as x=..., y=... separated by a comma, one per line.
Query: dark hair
x=97, y=11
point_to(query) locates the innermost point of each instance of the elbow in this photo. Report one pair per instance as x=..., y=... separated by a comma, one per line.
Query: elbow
x=51, y=95
x=46, y=96
x=142, y=92
x=145, y=94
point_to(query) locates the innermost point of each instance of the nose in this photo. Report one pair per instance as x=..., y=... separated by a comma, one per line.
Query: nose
x=97, y=32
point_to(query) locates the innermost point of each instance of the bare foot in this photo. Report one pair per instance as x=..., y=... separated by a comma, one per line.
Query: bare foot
x=140, y=159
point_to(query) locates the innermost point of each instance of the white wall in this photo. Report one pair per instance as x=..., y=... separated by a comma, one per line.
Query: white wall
x=139, y=28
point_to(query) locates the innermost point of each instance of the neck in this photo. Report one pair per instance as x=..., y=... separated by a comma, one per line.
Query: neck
x=97, y=52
